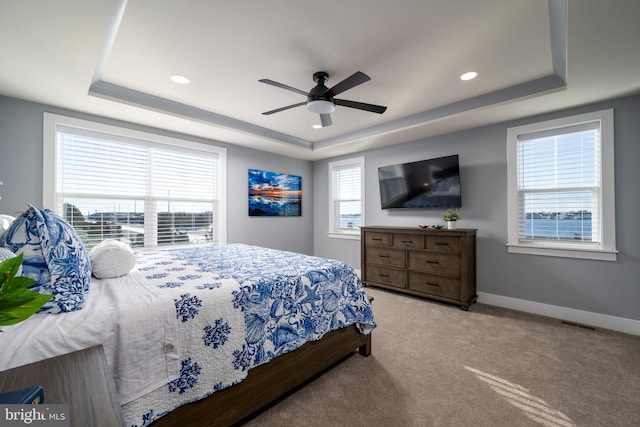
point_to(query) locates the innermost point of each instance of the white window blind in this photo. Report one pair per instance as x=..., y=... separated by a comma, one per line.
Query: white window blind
x=559, y=185
x=346, y=196
x=139, y=191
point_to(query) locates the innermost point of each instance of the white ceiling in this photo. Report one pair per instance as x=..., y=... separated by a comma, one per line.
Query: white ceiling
x=114, y=58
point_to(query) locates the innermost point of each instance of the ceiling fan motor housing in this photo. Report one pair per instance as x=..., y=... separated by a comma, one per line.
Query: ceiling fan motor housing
x=318, y=92
x=320, y=100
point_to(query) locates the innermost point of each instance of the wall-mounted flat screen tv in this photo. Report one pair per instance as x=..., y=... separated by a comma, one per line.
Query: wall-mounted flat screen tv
x=432, y=183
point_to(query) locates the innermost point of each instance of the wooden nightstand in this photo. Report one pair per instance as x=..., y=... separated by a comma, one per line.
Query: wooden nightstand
x=81, y=379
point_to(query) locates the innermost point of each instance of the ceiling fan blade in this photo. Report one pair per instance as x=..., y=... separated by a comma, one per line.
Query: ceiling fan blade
x=361, y=106
x=325, y=119
x=277, y=110
x=283, y=86
x=353, y=80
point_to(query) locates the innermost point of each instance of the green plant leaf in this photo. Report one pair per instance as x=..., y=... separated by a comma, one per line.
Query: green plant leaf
x=17, y=301
x=451, y=215
x=10, y=266
x=14, y=311
x=16, y=283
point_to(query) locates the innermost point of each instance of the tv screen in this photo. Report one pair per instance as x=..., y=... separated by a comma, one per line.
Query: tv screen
x=432, y=183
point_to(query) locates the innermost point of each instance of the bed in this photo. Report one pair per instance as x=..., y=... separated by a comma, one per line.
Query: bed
x=288, y=302
x=208, y=335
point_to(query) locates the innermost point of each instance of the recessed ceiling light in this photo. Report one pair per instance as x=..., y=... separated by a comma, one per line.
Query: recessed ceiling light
x=469, y=75
x=317, y=126
x=181, y=80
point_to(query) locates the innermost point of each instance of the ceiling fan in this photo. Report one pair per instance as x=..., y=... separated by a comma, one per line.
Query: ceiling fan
x=320, y=99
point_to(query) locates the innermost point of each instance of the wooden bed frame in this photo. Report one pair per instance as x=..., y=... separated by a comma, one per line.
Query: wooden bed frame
x=266, y=383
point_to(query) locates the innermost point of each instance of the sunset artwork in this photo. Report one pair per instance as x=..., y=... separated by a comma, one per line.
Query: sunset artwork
x=274, y=194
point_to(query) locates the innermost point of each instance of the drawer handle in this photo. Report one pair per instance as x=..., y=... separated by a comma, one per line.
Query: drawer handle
x=406, y=241
x=432, y=262
x=384, y=275
x=442, y=244
x=376, y=238
x=432, y=284
x=383, y=256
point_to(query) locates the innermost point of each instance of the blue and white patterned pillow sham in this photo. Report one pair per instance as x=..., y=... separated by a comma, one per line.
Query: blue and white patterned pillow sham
x=23, y=237
x=54, y=256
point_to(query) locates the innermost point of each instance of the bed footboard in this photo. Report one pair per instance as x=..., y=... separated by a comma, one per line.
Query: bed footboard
x=266, y=383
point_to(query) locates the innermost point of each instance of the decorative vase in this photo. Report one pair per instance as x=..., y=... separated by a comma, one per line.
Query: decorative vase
x=451, y=225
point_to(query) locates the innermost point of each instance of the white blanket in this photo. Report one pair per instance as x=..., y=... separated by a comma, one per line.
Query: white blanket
x=137, y=329
x=211, y=341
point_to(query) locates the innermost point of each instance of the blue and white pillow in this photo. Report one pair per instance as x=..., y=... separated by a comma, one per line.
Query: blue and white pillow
x=23, y=237
x=54, y=256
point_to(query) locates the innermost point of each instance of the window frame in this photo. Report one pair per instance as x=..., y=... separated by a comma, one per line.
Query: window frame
x=345, y=234
x=51, y=122
x=605, y=250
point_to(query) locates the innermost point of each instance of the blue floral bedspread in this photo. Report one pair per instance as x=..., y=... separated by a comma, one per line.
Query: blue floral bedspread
x=240, y=306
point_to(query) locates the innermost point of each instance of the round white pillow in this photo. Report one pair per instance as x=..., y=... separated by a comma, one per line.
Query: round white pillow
x=111, y=258
x=5, y=222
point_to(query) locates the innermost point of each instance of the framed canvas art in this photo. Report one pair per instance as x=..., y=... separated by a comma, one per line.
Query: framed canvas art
x=274, y=194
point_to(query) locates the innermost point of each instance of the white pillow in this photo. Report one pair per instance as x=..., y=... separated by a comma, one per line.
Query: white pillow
x=111, y=258
x=5, y=222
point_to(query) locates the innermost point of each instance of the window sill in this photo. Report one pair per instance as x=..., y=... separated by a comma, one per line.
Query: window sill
x=345, y=235
x=566, y=252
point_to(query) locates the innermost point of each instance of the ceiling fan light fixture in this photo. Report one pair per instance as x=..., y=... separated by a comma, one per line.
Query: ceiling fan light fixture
x=321, y=107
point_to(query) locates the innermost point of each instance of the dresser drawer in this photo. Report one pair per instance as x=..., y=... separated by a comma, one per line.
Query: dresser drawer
x=434, y=285
x=386, y=256
x=373, y=238
x=411, y=241
x=384, y=275
x=444, y=244
x=435, y=262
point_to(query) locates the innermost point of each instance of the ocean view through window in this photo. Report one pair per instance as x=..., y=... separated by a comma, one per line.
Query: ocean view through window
x=558, y=226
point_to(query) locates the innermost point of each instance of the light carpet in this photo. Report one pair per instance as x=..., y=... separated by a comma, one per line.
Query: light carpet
x=436, y=365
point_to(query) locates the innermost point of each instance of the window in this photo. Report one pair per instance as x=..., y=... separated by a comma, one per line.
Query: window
x=346, y=198
x=144, y=189
x=561, y=187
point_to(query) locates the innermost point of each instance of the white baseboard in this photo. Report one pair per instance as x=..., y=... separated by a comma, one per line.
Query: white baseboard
x=604, y=321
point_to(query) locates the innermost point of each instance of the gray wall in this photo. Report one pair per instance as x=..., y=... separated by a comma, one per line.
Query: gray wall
x=610, y=288
x=21, y=172
x=287, y=233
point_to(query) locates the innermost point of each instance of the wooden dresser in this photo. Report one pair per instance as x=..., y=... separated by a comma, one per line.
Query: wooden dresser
x=437, y=264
